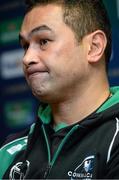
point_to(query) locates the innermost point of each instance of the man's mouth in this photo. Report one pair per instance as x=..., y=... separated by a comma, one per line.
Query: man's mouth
x=31, y=71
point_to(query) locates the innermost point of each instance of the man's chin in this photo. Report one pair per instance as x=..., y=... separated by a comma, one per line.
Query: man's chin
x=42, y=96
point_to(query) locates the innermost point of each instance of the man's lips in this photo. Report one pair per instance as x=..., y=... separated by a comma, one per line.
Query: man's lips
x=35, y=70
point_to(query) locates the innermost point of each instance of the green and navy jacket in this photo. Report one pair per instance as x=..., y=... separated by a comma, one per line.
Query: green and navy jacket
x=87, y=150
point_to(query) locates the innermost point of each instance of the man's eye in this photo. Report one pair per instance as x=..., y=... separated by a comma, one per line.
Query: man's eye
x=44, y=42
x=25, y=46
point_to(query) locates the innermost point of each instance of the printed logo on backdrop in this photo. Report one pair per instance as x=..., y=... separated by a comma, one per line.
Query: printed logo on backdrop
x=9, y=29
x=84, y=170
x=19, y=171
x=11, y=64
x=19, y=113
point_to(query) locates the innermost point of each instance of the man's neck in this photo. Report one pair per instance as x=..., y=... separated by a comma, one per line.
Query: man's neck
x=78, y=107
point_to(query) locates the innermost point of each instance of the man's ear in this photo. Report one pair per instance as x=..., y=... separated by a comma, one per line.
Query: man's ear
x=97, y=44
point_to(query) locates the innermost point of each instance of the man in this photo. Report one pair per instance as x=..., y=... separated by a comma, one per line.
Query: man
x=67, y=48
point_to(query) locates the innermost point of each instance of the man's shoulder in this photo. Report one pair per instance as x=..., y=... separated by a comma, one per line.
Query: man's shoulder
x=18, y=137
x=13, y=145
x=14, y=142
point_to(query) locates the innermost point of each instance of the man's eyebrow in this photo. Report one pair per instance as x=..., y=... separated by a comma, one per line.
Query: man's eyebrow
x=35, y=30
x=40, y=28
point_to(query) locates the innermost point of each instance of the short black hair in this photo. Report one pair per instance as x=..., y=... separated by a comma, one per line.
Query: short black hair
x=83, y=17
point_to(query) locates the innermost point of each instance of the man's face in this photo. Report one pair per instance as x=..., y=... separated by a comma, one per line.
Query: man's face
x=54, y=63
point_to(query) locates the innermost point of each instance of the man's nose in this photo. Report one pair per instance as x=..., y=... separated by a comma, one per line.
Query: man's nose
x=30, y=57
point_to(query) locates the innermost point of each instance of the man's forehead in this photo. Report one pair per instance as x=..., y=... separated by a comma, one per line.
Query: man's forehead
x=39, y=15
x=44, y=11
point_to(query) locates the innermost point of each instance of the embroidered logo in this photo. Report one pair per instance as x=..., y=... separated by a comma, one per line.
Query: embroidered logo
x=84, y=170
x=19, y=170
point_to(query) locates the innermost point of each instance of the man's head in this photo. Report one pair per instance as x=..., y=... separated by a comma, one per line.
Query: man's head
x=83, y=17
x=64, y=48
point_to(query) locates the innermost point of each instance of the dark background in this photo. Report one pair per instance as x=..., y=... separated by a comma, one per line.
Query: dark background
x=18, y=107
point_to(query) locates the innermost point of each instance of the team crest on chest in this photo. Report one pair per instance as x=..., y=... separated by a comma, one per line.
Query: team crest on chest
x=19, y=170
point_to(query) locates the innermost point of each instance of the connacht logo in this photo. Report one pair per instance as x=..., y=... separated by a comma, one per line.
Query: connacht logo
x=84, y=170
x=19, y=170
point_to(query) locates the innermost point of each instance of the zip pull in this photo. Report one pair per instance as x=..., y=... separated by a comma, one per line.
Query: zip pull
x=48, y=168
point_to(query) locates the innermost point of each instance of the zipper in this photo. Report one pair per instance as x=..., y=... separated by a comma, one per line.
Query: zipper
x=51, y=162
x=47, y=172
